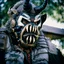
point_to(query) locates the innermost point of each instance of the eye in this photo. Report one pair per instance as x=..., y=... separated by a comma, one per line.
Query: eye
x=24, y=21
x=37, y=22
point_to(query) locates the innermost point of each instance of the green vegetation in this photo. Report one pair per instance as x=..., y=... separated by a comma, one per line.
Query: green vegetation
x=54, y=8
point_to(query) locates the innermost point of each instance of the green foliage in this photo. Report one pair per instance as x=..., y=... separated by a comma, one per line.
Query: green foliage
x=3, y=11
x=54, y=8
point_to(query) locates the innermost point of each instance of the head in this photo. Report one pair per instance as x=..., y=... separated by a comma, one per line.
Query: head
x=27, y=24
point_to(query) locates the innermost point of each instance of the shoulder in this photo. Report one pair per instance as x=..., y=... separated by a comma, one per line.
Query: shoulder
x=56, y=58
x=55, y=55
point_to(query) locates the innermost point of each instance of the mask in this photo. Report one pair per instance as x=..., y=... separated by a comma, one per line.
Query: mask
x=27, y=24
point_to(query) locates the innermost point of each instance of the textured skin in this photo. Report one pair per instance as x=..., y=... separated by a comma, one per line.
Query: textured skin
x=39, y=54
x=14, y=57
x=44, y=53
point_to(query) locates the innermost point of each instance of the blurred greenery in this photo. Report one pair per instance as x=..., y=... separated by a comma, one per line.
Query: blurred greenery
x=55, y=8
x=4, y=6
x=62, y=40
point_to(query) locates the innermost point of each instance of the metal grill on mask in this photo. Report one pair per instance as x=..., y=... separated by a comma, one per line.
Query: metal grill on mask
x=29, y=31
x=29, y=34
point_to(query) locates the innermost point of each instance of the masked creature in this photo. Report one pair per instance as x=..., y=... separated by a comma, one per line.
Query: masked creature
x=26, y=43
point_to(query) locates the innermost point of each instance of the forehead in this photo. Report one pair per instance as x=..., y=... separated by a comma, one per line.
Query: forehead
x=29, y=16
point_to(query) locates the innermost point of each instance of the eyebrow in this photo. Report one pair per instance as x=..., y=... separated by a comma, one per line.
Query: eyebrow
x=37, y=16
x=21, y=16
x=25, y=15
